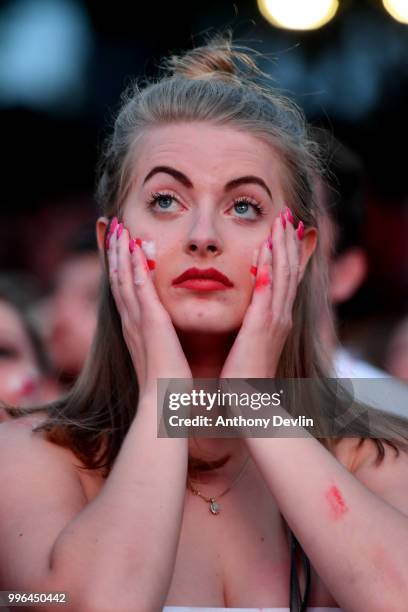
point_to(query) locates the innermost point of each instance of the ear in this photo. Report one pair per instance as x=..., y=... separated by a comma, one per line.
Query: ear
x=348, y=272
x=101, y=225
x=307, y=246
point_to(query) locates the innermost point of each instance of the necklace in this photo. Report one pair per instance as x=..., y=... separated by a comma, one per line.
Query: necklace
x=214, y=505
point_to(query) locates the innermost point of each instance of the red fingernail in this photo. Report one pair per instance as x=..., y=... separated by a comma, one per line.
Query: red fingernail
x=289, y=215
x=138, y=242
x=254, y=270
x=282, y=216
x=112, y=226
x=132, y=245
x=119, y=230
x=151, y=263
x=300, y=230
x=269, y=241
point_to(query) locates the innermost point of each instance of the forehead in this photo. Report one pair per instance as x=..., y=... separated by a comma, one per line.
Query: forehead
x=207, y=152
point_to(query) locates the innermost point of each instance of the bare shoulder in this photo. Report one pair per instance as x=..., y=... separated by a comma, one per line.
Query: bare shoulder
x=29, y=449
x=387, y=478
x=29, y=457
x=18, y=438
x=40, y=494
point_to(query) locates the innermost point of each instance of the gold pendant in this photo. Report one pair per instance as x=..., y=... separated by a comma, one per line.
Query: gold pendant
x=214, y=506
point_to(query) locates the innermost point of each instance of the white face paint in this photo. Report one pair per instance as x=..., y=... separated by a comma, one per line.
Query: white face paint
x=149, y=249
x=20, y=377
x=23, y=387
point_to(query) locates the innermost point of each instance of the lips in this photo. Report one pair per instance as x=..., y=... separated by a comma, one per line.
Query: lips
x=204, y=274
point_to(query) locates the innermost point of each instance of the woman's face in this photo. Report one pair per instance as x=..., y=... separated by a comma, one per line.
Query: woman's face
x=202, y=219
x=69, y=314
x=19, y=373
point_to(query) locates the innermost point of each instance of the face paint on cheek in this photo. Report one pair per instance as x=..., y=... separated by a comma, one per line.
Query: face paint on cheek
x=22, y=388
x=149, y=249
x=264, y=279
x=254, y=267
x=28, y=387
x=336, y=502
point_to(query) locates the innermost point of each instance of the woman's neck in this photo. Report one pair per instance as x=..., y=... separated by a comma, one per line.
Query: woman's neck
x=206, y=355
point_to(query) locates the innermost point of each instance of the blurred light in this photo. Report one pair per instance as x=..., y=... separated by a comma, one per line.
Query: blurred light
x=43, y=53
x=397, y=9
x=350, y=74
x=298, y=14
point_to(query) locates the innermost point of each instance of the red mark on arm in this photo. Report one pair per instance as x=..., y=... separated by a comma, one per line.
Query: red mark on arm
x=336, y=501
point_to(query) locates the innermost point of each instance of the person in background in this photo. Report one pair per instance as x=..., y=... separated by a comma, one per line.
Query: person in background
x=396, y=357
x=24, y=368
x=68, y=316
x=342, y=192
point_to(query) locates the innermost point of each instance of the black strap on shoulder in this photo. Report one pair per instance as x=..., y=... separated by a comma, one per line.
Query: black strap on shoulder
x=296, y=602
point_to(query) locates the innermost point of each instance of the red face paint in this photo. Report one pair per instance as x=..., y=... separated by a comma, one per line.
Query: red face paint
x=150, y=263
x=263, y=280
x=29, y=386
x=336, y=501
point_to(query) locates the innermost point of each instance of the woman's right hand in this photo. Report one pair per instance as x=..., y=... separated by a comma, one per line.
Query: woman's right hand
x=147, y=328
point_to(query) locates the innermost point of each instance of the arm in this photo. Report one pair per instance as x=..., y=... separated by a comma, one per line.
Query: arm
x=357, y=540
x=126, y=539
x=118, y=551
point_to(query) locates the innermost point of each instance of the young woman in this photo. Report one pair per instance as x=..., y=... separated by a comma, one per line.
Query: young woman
x=208, y=173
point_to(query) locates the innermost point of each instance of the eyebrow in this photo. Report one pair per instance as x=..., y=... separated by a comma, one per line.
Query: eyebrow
x=182, y=178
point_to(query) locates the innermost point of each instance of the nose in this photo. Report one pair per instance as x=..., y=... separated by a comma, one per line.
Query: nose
x=203, y=238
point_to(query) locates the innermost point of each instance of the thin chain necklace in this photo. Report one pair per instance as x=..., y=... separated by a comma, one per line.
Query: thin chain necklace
x=214, y=505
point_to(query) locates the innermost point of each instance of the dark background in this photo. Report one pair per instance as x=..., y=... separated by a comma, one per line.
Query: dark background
x=64, y=63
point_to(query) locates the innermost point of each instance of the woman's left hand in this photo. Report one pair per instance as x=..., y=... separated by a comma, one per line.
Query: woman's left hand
x=268, y=320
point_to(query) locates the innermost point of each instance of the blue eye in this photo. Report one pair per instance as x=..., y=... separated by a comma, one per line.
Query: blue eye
x=244, y=204
x=159, y=199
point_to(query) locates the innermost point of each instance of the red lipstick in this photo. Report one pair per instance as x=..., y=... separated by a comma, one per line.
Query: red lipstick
x=208, y=279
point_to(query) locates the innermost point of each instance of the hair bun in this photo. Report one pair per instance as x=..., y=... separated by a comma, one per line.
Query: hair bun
x=218, y=58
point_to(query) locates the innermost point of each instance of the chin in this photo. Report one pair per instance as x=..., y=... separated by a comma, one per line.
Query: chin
x=205, y=320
